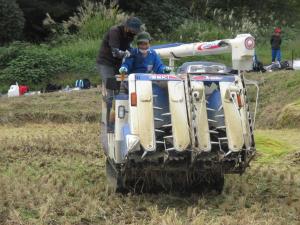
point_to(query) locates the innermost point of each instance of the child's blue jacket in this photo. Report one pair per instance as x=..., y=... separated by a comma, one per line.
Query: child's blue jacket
x=136, y=63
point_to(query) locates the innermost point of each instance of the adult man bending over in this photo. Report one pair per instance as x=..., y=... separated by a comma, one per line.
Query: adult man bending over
x=116, y=44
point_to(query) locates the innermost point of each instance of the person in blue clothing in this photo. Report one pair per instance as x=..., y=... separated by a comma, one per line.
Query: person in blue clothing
x=143, y=59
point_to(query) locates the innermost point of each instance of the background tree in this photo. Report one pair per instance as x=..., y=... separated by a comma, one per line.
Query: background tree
x=159, y=16
x=164, y=16
x=35, y=12
x=11, y=21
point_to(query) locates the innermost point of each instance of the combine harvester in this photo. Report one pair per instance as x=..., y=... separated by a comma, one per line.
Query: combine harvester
x=183, y=131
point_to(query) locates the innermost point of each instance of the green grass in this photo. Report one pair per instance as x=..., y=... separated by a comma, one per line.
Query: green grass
x=263, y=50
x=279, y=91
x=274, y=145
x=79, y=48
x=82, y=54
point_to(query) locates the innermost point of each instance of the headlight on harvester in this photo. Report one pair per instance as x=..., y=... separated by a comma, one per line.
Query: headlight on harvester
x=132, y=142
x=121, y=112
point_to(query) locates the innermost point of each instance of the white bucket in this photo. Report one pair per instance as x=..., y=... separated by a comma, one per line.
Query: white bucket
x=296, y=64
x=13, y=91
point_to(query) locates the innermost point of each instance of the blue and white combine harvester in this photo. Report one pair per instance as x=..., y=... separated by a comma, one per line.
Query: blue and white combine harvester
x=183, y=131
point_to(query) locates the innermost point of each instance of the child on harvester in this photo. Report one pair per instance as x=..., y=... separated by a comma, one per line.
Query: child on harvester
x=143, y=59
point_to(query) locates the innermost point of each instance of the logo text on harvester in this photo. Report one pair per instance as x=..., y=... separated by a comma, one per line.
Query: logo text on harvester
x=208, y=45
x=163, y=77
x=207, y=78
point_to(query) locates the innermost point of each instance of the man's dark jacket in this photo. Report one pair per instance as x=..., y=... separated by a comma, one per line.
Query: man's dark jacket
x=115, y=38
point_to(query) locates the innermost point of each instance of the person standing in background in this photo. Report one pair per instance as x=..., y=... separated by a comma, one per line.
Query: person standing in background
x=275, y=45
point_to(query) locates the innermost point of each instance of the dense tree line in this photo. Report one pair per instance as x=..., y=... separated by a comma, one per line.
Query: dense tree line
x=160, y=16
x=11, y=21
x=35, y=11
x=166, y=14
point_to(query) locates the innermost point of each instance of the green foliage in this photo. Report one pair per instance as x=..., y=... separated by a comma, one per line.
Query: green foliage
x=90, y=22
x=81, y=54
x=160, y=17
x=268, y=12
x=32, y=66
x=235, y=23
x=35, y=12
x=224, y=25
x=94, y=19
x=9, y=53
x=38, y=64
x=75, y=42
x=11, y=21
x=164, y=16
x=198, y=30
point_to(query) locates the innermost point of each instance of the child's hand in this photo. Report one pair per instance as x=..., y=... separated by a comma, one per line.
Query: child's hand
x=167, y=69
